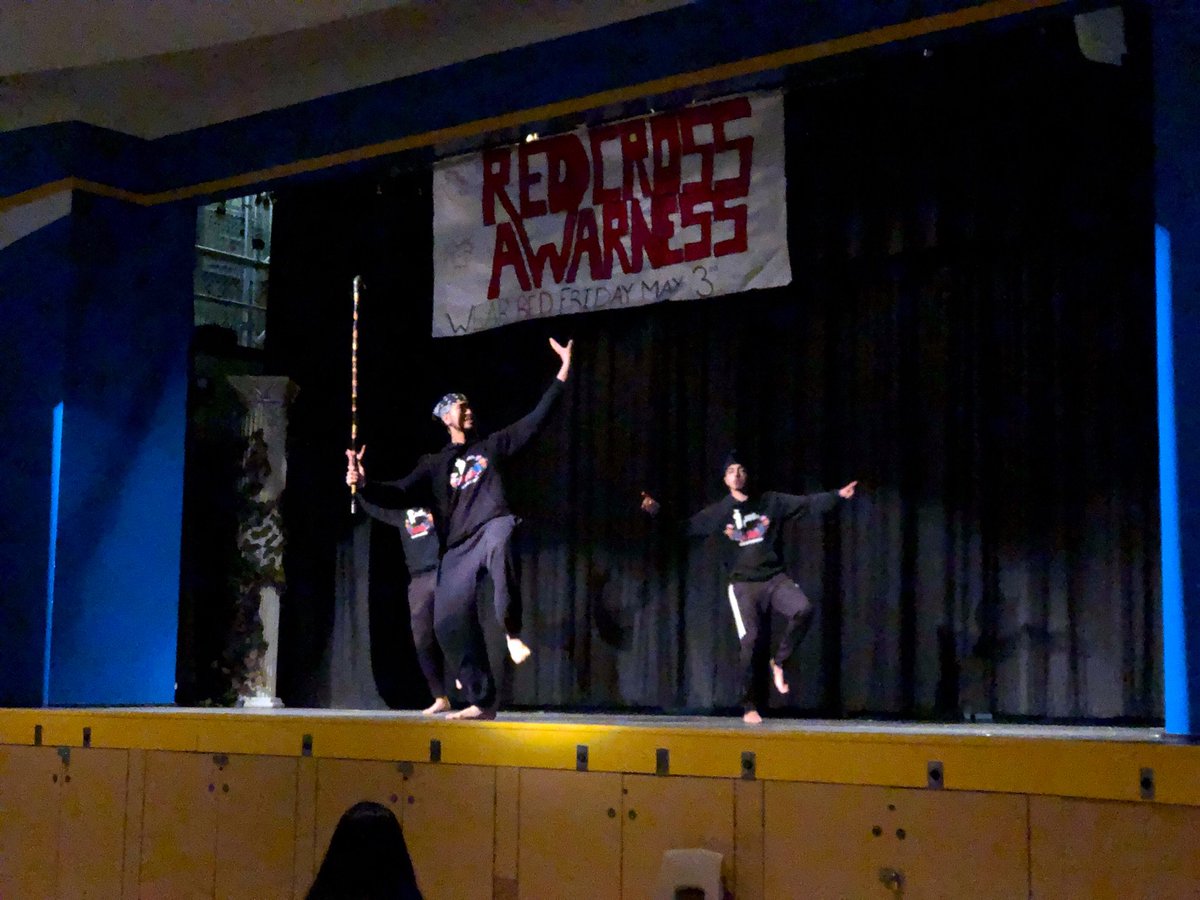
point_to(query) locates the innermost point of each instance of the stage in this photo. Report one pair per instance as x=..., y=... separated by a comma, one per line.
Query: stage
x=556, y=804
x=1096, y=762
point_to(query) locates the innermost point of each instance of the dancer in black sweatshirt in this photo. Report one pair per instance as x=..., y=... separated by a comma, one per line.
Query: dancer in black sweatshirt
x=753, y=523
x=422, y=554
x=474, y=526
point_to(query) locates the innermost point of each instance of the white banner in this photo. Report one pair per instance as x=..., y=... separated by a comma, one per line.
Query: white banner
x=671, y=206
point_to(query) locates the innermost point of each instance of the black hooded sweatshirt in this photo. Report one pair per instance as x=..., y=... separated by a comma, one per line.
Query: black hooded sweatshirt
x=468, y=491
x=754, y=528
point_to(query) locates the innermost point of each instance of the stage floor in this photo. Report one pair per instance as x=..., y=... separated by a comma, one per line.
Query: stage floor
x=683, y=722
x=1099, y=762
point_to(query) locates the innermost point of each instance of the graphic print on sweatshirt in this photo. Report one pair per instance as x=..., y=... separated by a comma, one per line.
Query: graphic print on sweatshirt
x=467, y=471
x=418, y=522
x=747, y=529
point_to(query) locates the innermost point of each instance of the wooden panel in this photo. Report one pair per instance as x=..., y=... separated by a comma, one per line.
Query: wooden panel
x=748, y=840
x=179, y=826
x=343, y=782
x=670, y=814
x=449, y=824
x=836, y=841
x=256, y=827
x=305, y=866
x=1089, y=848
x=504, y=876
x=135, y=791
x=91, y=833
x=570, y=835
x=29, y=811
x=1081, y=762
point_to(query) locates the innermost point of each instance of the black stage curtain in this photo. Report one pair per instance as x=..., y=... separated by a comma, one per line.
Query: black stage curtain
x=969, y=332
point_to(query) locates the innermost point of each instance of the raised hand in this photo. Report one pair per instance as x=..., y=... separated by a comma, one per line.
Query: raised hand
x=649, y=504
x=355, y=473
x=564, y=356
x=848, y=491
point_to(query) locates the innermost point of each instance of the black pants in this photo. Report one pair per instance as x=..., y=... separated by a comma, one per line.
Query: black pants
x=752, y=603
x=485, y=555
x=420, y=609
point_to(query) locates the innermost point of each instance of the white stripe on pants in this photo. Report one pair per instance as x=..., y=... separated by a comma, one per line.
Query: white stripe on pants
x=737, y=614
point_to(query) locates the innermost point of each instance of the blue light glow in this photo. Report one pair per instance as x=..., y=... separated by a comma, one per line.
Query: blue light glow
x=1175, y=679
x=55, y=470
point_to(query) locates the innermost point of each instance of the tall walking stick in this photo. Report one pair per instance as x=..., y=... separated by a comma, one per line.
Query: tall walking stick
x=354, y=387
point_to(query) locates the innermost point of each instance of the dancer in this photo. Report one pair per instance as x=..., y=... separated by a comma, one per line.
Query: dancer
x=474, y=526
x=757, y=582
x=420, y=542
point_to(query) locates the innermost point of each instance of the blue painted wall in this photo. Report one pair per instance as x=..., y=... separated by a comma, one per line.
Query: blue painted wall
x=117, y=590
x=39, y=155
x=36, y=286
x=97, y=318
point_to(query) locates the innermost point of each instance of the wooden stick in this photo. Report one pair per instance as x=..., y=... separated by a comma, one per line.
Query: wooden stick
x=354, y=387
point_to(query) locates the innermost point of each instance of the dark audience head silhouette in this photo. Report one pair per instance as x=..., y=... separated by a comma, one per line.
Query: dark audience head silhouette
x=367, y=859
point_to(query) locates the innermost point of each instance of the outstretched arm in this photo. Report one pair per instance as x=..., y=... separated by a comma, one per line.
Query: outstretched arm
x=509, y=440
x=792, y=505
x=708, y=521
x=383, y=513
x=356, y=473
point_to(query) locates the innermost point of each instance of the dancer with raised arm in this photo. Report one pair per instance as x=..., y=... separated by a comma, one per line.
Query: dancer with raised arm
x=421, y=554
x=758, y=585
x=474, y=527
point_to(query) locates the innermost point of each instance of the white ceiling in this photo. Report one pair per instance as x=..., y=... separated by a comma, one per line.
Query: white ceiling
x=258, y=55
x=37, y=35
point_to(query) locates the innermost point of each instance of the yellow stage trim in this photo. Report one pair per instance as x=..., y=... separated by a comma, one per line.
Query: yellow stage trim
x=1042, y=765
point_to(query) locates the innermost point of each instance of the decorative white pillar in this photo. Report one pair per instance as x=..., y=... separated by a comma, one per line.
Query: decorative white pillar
x=260, y=533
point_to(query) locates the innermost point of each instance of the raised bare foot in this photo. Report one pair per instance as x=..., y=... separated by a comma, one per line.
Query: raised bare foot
x=777, y=675
x=440, y=705
x=751, y=717
x=473, y=712
x=518, y=650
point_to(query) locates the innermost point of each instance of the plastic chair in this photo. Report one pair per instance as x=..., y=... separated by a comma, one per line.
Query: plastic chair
x=695, y=868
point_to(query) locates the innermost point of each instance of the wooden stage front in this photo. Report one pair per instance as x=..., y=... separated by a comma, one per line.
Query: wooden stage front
x=1097, y=762
x=164, y=802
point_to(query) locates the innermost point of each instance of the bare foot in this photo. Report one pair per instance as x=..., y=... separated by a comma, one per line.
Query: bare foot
x=777, y=675
x=440, y=705
x=518, y=650
x=473, y=712
x=751, y=717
